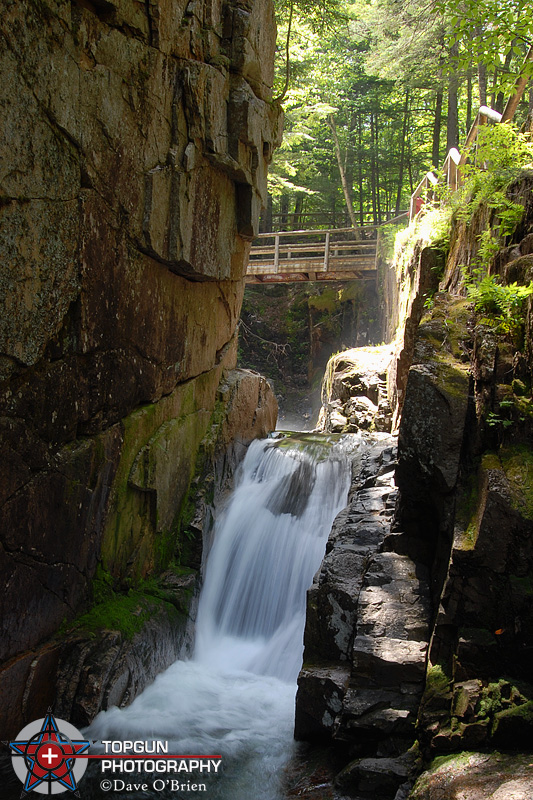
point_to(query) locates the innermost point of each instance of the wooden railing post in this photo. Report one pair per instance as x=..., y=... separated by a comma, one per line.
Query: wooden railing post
x=326, y=252
x=276, y=253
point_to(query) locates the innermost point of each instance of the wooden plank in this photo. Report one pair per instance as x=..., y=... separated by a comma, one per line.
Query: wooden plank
x=300, y=277
x=312, y=264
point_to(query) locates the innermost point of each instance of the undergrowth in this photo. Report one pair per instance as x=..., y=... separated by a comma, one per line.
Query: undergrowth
x=503, y=304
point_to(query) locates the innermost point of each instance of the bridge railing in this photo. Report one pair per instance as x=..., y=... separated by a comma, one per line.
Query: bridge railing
x=334, y=249
x=425, y=192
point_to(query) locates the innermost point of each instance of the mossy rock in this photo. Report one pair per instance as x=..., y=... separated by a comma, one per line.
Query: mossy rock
x=126, y=614
x=513, y=727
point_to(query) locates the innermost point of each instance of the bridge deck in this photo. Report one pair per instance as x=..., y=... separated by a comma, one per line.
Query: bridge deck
x=323, y=255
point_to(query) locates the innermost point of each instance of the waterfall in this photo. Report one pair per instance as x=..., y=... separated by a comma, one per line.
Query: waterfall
x=236, y=696
x=267, y=547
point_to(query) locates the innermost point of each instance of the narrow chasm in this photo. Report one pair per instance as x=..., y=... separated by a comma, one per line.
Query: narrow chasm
x=266, y=465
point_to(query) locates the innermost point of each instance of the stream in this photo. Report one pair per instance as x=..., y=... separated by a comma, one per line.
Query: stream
x=235, y=697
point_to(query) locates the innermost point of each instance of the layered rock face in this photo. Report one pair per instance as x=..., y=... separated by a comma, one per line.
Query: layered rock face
x=366, y=637
x=420, y=620
x=136, y=138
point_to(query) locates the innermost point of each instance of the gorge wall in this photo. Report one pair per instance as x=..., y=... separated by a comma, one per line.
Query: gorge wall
x=419, y=623
x=136, y=138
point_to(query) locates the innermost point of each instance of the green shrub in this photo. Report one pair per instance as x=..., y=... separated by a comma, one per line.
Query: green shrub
x=504, y=303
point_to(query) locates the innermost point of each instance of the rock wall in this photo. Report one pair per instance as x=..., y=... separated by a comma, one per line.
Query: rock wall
x=366, y=637
x=136, y=139
x=456, y=553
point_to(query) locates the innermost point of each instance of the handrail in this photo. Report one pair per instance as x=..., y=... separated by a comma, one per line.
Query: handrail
x=521, y=83
x=316, y=232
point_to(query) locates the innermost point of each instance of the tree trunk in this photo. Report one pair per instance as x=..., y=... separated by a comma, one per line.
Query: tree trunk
x=345, y=189
x=266, y=217
x=481, y=74
x=284, y=212
x=376, y=161
x=494, y=82
x=373, y=170
x=482, y=83
x=402, y=153
x=298, y=208
x=468, y=100
x=349, y=159
x=500, y=100
x=437, y=124
x=360, y=167
x=452, y=121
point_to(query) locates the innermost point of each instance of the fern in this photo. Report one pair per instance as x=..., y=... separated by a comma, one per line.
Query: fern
x=502, y=303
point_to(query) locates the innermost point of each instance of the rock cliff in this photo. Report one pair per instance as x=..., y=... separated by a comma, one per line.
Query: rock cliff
x=419, y=624
x=136, y=139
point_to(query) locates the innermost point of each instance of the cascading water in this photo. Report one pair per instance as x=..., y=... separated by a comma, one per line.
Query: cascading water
x=236, y=696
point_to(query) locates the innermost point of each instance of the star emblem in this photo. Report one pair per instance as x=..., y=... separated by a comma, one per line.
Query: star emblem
x=49, y=756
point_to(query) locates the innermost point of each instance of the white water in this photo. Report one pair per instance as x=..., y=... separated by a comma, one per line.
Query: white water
x=236, y=696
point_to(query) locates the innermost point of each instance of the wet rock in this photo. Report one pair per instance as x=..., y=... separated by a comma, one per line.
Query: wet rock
x=368, y=610
x=429, y=446
x=111, y=668
x=319, y=686
x=373, y=777
x=465, y=698
x=338, y=422
x=419, y=281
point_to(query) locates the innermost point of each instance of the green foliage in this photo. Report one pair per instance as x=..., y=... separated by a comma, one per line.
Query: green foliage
x=102, y=585
x=501, y=152
x=431, y=229
x=495, y=33
x=504, y=303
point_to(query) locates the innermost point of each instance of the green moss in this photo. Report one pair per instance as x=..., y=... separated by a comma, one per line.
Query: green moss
x=125, y=613
x=491, y=461
x=437, y=682
x=490, y=701
x=143, y=529
x=453, y=378
x=317, y=445
x=519, y=387
x=327, y=301
x=524, y=711
x=517, y=462
x=461, y=759
x=102, y=586
x=467, y=512
x=164, y=545
x=128, y=612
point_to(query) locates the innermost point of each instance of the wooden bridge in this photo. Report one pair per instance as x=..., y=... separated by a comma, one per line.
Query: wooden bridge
x=317, y=255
